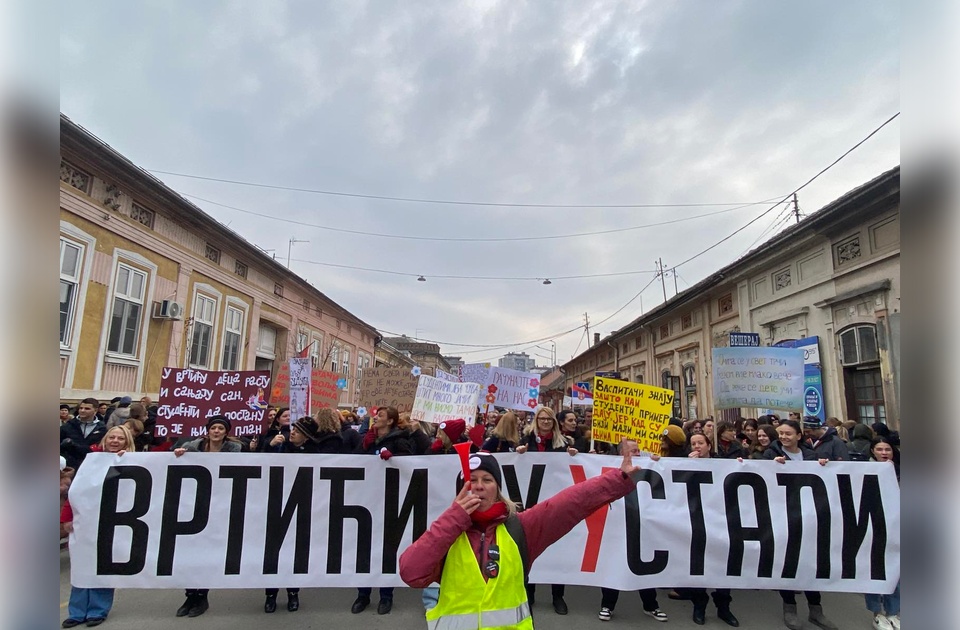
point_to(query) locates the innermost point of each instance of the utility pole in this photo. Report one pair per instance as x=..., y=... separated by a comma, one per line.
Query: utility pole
x=796, y=208
x=663, y=282
x=675, y=289
x=586, y=320
x=293, y=240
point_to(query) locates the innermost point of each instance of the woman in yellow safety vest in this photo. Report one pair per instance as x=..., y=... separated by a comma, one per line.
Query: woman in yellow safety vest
x=476, y=550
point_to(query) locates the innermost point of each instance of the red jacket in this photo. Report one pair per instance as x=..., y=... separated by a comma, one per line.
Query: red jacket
x=543, y=524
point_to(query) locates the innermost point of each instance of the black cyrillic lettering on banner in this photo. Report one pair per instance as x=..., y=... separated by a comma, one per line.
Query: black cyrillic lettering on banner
x=855, y=526
x=279, y=515
x=762, y=533
x=238, y=503
x=794, y=483
x=395, y=518
x=110, y=519
x=170, y=525
x=533, y=486
x=632, y=502
x=698, y=529
x=339, y=512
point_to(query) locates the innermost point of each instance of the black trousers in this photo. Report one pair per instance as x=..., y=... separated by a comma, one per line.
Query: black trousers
x=699, y=597
x=386, y=592
x=556, y=590
x=192, y=592
x=610, y=597
x=790, y=597
x=274, y=591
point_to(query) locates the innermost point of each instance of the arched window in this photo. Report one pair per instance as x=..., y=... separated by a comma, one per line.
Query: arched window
x=858, y=345
x=863, y=380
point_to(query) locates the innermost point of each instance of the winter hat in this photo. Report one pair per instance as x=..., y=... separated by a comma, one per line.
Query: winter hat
x=124, y=402
x=486, y=461
x=674, y=435
x=453, y=429
x=476, y=435
x=308, y=426
x=219, y=420
x=811, y=422
x=63, y=463
x=862, y=432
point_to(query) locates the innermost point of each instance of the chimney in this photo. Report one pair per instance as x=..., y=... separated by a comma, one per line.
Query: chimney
x=596, y=338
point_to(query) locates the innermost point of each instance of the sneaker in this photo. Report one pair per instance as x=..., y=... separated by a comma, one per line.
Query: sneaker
x=657, y=614
x=605, y=614
x=881, y=623
x=894, y=621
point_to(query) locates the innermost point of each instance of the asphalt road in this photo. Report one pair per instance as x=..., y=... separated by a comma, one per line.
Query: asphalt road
x=242, y=609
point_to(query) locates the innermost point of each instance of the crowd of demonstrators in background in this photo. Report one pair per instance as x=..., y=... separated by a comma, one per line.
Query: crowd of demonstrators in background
x=824, y=440
x=648, y=596
x=91, y=605
x=79, y=434
x=420, y=439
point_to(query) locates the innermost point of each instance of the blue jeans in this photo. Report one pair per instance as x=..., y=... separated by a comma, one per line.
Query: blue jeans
x=90, y=603
x=891, y=603
x=430, y=597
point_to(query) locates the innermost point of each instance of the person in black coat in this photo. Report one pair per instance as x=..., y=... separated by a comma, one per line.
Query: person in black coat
x=728, y=446
x=419, y=438
x=328, y=438
x=824, y=440
x=791, y=447
x=78, y=434
x=386, y=439
x=269, y=442
x=572, y=431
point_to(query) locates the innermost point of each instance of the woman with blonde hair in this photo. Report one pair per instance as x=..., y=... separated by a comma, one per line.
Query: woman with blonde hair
x=418, y=436
x=505, y=437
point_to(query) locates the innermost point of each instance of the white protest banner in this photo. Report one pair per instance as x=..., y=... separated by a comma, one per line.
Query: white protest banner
x=446, y=376
x=474, y=373
x=765, y=377
x=438, y=401
x=511, y=389
x=149, y=520
x=299, y=387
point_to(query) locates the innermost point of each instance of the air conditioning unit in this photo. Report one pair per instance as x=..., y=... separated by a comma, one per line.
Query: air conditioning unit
x=167, y=309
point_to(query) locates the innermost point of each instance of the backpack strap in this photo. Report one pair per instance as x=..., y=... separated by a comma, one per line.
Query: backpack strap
x=515, y=529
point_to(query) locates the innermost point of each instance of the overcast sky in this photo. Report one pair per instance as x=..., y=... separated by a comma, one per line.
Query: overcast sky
x=504, y=102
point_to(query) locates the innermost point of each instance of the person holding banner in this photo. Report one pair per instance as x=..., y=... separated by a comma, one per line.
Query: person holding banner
x=92, y=605
x=790, y=446
x=480, y=548
x=217, y=440
x=766, y=435
x=570, y=429
x=546, y=436
x=277, y=433
x=610, y=596
x=885, y=608
x=386, y=439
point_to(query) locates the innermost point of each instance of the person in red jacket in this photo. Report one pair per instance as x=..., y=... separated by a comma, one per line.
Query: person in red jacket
x=477, y=512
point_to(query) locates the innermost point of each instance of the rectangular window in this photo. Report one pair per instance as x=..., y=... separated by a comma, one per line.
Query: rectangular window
x=232, y=334
x=335, y=359
x=204, y=312
x=346, y=362
x=267, y=341
x=665, y=331
x=212, y=253
x=278, y=290
x=686, y=321
x=127, y=309
x=315, y=352
x=70, y=255
x=302, y=341
x=240, y=269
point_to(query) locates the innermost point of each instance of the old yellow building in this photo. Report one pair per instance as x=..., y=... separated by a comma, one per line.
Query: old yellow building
x=148, y=280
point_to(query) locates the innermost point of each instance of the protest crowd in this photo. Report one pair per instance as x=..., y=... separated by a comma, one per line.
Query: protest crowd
x=124, y=425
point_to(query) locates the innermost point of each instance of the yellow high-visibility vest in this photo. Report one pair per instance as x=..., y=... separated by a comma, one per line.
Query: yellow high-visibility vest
x=468, y=602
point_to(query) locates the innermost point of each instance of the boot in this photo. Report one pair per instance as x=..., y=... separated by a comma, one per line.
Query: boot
x=790, y=618
x=200, y=606
x=360, y=604
x=270, y=605
x=817, y=618
x=293, y=602
x=724, y=614
x=183, y=610
x=700, y=615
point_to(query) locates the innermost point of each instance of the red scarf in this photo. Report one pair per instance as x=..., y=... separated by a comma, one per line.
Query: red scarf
x=543, y=441
x=482, y=519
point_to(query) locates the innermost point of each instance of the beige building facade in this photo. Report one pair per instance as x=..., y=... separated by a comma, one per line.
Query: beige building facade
x=148, y=280
x=834, y=276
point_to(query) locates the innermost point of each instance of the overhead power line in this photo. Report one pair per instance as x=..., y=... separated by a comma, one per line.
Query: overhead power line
x=792, y=192
x=453, y=202
x=466, y=239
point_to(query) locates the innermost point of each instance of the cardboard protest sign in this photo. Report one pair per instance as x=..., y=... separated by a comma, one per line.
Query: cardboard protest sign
x=474, y=373
x=446, y=376
x=299, y=387
x=630, y=410
x=767, y=377
x=438, y=400
x=511, y=389
x=323, y=389
x=188, y=397
x=388, y=387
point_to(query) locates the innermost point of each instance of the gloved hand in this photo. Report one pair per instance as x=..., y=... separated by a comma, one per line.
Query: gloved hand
x=66, y=442
x=385, y=453
x=437, y=446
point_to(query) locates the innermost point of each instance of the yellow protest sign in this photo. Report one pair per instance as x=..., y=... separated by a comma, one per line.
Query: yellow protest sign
x=630, y=410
